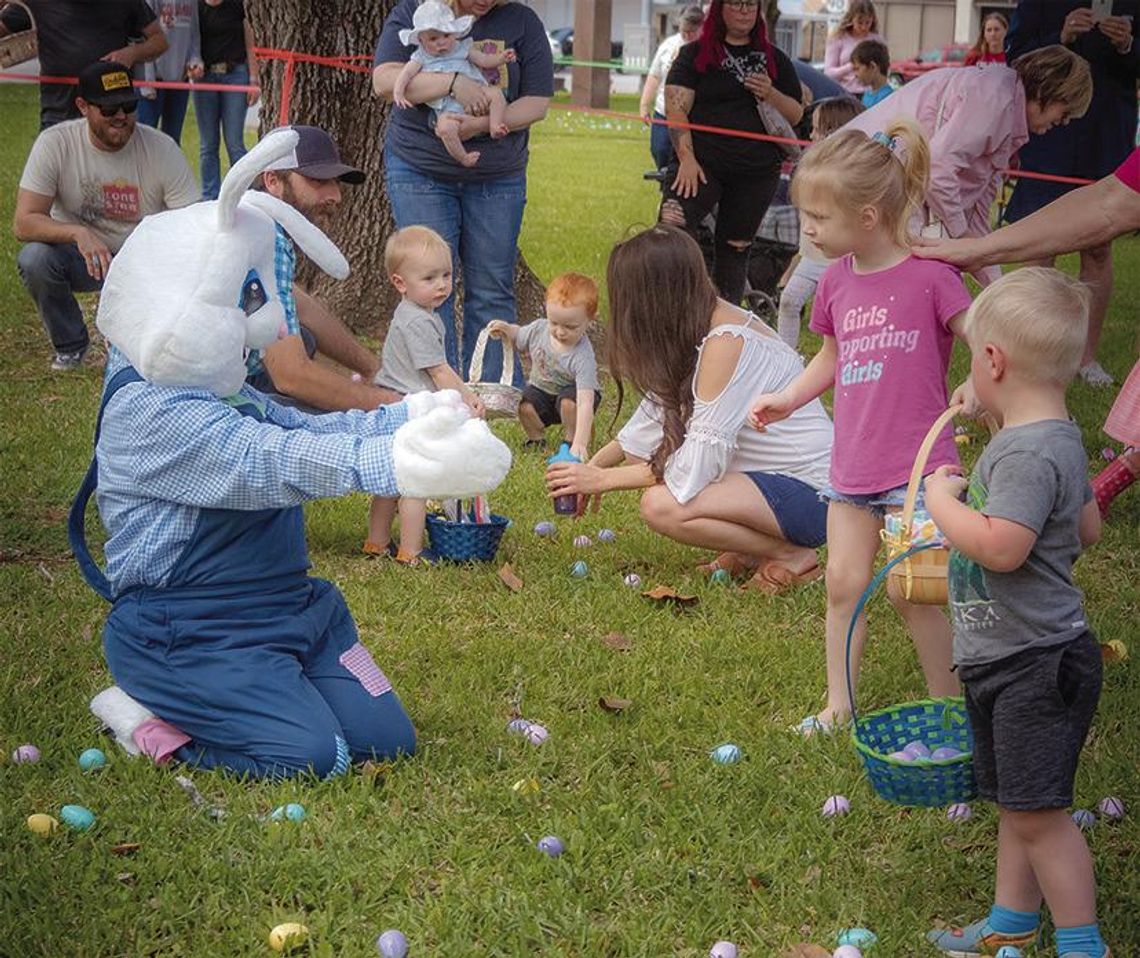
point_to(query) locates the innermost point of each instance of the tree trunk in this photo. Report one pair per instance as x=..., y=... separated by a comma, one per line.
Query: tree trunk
x=342, y=102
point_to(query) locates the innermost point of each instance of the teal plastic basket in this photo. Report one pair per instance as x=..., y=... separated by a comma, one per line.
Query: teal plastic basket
x=466, y=541
x=934, y=722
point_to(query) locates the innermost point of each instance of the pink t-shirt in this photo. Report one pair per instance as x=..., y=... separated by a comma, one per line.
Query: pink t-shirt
x=893, y=335
x=1129, y=171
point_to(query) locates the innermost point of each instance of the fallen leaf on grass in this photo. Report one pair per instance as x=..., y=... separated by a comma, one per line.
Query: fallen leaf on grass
x=806, y=950
x=617, y=641
x=663, y=593
x=509, y=579
x=125, y=878
x=125, y=848
x=1113, y=651
x=616, y=705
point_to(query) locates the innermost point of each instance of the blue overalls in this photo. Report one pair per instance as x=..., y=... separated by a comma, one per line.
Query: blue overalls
x=257, y=662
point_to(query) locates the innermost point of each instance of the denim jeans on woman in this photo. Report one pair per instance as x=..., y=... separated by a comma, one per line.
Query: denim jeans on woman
x=166, y=112
x=225, y=112
x=481, y=223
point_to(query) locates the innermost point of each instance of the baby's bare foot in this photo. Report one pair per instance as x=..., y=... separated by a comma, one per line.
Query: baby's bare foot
x=498, y=132
x=470, y=159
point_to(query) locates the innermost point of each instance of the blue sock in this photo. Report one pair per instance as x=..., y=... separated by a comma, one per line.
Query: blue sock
x=1081, y=940
x=1010, y=922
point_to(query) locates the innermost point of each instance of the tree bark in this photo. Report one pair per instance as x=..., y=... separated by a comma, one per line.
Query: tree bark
x=341, y=102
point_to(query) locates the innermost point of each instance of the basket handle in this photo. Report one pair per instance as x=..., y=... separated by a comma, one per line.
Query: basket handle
x=919, y=465
x=475, y=371
x=27, y=10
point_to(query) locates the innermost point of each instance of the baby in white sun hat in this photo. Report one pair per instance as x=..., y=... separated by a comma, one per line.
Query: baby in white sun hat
x=437, y=34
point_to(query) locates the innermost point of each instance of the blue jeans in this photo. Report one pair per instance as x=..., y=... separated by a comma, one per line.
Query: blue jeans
x=225, y=111
x=481, y=223
x=659, y=143
x=53, y=273
x=166, y=112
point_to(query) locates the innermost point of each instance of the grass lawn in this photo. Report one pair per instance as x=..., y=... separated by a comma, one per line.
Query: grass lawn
x=666, y=851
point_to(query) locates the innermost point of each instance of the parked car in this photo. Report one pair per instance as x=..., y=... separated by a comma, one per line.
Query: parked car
x=565, y=36
x=950, y=55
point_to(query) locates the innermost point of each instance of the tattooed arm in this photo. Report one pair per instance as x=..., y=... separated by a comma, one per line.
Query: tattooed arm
x=678, y=103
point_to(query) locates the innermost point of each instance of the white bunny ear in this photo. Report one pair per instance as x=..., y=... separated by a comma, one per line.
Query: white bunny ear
x=313, y=242
x=271, y=147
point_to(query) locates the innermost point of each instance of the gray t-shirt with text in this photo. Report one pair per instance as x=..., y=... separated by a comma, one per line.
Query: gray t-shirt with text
x=413, y=345
x=1037, y=476
x=553, y=371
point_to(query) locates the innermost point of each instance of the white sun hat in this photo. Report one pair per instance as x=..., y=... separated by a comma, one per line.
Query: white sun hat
x=433, y=15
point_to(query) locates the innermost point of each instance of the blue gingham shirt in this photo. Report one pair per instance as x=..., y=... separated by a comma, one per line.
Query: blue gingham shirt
x=284, y=266
x=165, y=453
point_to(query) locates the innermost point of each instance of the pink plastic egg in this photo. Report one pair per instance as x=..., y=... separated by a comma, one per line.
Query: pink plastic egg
x=847, y=951
x=1111, y=807
x=944, y=752
x=961, y=812
x=25, y=755
x=536, y=734
x=836, y=805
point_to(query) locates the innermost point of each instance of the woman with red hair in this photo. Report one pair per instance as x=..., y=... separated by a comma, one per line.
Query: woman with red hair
x=725, y=79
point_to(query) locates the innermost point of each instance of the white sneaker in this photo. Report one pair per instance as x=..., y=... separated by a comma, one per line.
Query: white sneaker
x=122, y=715
x=1096, y=375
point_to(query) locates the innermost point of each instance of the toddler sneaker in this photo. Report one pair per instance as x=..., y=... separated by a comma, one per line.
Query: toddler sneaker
x=384, y=552
x=1082, y=954
x=977, y=939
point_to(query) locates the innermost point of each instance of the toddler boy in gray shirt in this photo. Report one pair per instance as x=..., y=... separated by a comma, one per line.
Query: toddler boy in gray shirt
x=418, y=263
x=1030, y=666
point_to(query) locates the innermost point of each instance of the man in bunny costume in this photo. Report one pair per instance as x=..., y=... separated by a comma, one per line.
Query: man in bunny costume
x=226, y=654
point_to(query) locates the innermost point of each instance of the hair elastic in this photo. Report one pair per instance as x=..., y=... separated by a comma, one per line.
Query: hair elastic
x=892, y=143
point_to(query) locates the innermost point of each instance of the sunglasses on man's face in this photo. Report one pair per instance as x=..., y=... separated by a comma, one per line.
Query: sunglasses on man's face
x=127, y=108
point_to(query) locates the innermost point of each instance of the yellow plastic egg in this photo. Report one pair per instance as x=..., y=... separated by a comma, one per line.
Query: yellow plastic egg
x=42, y=824
x=287, y=935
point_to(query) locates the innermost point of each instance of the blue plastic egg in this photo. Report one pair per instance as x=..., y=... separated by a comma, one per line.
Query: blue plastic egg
x=1084, y=819
x=859, y=937
x=579, y=570
x=606, y=535
x=721, y=577
x=392, y=944
x=76, y=817
x=726, y=754
x=551, y=845
x=92, y=759
x=1009, y=951
x=545, y=529
x=291, y=812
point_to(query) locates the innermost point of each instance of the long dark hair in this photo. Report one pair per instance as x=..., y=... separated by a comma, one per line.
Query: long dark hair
x=661, y=304
x=710, y=44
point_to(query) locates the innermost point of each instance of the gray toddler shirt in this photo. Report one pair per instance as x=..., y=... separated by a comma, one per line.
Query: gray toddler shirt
x=1037, y=476
x=413, y=345
x=551, y=371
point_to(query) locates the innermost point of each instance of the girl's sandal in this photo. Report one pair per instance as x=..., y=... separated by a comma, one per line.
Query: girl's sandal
x=729, y=562
x=772, y=578
x=371, y=549
x=425, y=558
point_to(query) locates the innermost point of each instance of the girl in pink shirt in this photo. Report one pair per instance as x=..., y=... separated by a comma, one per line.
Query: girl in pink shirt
x=887, y=320
x=859, y=23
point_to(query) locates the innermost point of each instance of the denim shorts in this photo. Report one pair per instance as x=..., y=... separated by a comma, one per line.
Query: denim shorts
x=798, y=508
x=877, y=503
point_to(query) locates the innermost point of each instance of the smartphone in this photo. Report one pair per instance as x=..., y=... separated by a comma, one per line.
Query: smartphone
x=1100, y=9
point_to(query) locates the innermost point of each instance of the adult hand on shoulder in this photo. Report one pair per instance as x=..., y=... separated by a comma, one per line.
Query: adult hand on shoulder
x=769, y=408
x=473, y=97
x=967, y=254
x=1118, y=30
x=95, y=253
x=1077, y=23
x=689, y=178
x=945, y=480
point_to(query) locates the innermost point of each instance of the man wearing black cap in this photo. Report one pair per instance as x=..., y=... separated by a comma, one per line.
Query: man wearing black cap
x=86, y=184
x=309, y=180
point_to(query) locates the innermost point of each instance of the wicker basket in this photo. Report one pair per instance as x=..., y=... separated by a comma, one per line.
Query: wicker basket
x=921, y=576
x=934, y=722
x=466, y=541
x=18, y=47
x=502, y=398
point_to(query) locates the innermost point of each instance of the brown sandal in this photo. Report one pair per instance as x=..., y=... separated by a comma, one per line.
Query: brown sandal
x=772, y=578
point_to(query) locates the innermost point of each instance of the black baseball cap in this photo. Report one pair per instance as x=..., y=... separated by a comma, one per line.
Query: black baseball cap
x=106, y=83
x=317, y=157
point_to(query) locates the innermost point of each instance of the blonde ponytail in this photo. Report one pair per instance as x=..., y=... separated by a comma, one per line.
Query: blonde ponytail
x=910, y=148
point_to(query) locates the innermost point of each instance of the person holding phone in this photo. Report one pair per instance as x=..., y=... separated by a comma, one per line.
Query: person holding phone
x=1091, y=147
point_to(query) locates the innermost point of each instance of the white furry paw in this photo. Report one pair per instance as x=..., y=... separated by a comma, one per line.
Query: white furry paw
x=122, y=715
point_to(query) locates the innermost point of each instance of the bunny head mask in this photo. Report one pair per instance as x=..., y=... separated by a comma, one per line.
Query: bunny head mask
x=193, y=289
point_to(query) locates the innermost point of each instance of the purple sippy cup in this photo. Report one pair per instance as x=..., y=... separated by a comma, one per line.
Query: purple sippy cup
x=566, y=505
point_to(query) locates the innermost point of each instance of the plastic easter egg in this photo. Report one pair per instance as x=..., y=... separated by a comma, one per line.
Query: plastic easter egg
x=721, y=577
x=836, y=805
x=544, y=529
x=291, y=813
x=904, y=757
x=26, y=755
x=960, y=812
x=633, y=580
x=727, y=754
x=858, y=937
x=1084, y=819
x=606, y=535
x=76, y=817
x=392, y=944
x=551, y=845
x=1111, y=807
x=579, y=570
x=518, y=726
x=287, y=935
x=536, y=734
x=1009, y=951
x=42, y=824
x=92, y=759
x=944, y=752
x=1108, y=454
x=581, y=542
x=526, y=786
x=723, y=949
x=847, y=951
x=917, y=749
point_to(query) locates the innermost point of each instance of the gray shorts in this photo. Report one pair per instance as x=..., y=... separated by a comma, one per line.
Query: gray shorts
x=1030, y=714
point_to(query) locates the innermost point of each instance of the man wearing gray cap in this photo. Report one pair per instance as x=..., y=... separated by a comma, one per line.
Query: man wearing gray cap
x=309, y=180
